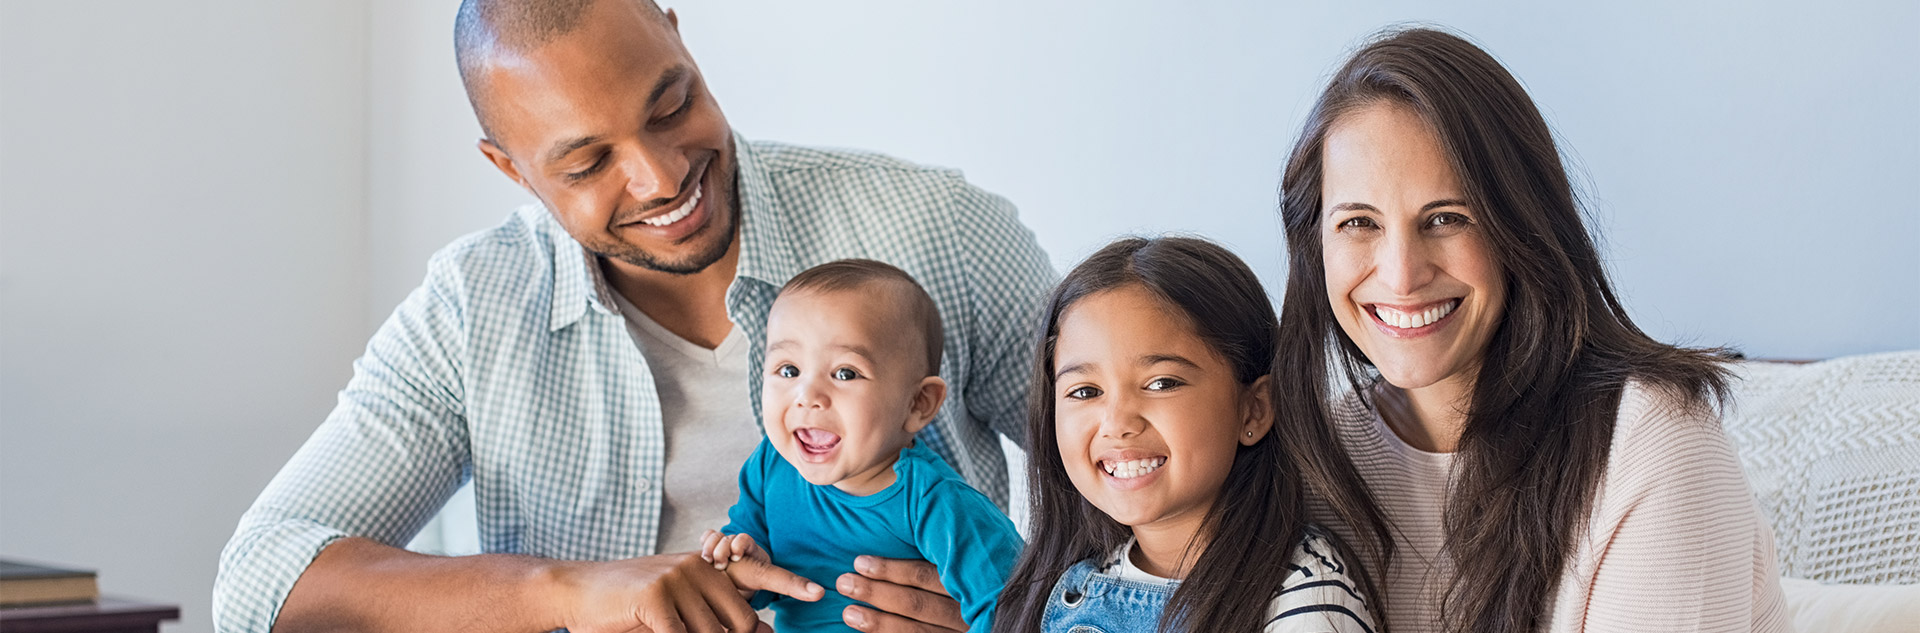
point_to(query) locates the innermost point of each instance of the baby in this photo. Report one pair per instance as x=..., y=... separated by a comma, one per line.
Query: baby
x=852, y=373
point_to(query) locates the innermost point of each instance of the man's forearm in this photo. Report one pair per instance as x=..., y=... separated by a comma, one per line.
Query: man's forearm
x=357, y=584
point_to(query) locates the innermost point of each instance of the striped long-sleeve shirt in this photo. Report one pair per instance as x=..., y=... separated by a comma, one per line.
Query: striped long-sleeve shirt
x=1674, y=542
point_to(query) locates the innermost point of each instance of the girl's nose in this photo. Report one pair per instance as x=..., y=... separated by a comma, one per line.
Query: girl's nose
x=1120, y=420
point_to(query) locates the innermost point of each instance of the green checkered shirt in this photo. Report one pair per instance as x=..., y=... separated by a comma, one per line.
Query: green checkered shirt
x=507, y=368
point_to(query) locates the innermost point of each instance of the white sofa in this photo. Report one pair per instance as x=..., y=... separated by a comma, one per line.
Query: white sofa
x=1832, y=450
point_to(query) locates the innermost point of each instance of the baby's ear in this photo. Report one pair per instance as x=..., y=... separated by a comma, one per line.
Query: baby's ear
x=926, y=402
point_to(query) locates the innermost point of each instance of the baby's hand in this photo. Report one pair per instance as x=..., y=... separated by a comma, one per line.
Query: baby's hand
x=721, y=549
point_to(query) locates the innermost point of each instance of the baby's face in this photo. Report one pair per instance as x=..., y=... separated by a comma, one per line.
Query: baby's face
x=839, y=387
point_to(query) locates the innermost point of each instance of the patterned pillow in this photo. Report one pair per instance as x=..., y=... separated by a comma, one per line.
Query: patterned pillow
x=1832, y=450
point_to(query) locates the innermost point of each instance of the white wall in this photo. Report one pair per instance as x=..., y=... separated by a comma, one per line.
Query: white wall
x=206, y=206
x=182, y=271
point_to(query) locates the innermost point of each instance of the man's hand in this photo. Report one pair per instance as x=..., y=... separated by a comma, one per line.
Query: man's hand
x=907, y=594
x=669, y=594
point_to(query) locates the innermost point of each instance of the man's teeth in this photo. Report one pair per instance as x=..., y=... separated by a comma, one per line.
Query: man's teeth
x=677, y=214
x=1422, y=318
x=1135, y=468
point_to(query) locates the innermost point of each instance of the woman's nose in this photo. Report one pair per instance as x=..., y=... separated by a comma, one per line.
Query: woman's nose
x=1404, y=263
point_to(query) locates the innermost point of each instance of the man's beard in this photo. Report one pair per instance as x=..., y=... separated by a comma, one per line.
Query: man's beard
x=713, y=245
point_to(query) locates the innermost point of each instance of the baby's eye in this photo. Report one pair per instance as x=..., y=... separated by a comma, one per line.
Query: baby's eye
x=1083, y=393
x=786, y=370
x=1163, y=384
x=845, y=373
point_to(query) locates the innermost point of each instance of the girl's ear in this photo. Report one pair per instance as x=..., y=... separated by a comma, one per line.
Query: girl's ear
x=926, y=402
x=1256, y=411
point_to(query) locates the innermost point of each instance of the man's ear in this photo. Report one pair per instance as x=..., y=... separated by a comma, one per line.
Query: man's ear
x=503, y=162
x=1257, y=411
x=926, y=402
x=673, y=19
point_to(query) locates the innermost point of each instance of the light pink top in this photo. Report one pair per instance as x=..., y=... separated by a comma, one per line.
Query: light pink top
x=1675, y=543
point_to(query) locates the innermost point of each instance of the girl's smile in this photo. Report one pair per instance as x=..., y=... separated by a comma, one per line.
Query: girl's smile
x=1148, y=416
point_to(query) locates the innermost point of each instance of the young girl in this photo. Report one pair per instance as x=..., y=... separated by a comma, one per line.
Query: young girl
x=1163, y=498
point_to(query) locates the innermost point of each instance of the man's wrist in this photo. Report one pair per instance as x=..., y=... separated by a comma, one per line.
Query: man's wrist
x=552, y=585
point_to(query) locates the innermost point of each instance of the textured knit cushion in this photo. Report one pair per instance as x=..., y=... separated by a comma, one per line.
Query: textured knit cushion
x=1832, y=450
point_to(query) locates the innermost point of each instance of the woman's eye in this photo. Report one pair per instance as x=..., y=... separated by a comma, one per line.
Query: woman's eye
x=1083, y=393
x=844, y=373
x=1441, y=220
x=786, y=371
x=1357, y=223
x=1162, y=384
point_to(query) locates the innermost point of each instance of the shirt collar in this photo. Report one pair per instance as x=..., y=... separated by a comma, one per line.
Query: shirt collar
x=766, y=253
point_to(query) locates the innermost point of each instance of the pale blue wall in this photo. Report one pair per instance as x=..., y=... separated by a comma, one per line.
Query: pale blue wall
x=1751, y=163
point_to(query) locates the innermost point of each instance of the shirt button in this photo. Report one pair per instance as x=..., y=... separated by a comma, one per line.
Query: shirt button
x=644, y=483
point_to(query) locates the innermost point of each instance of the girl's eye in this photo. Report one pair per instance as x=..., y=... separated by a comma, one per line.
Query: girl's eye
x=845, y=373
x=786, y=371
x=1083, y=393
x=1162, y=384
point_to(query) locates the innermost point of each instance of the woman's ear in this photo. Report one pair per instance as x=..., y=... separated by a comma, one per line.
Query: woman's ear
x=926, y=402
x=1256, y=411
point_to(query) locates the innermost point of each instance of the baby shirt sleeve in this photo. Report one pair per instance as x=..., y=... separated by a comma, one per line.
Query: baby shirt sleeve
x=973, y=545
x=749, y=515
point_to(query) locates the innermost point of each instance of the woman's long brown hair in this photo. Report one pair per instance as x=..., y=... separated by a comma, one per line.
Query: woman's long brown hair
x=1544, y=403
x=1247, y=539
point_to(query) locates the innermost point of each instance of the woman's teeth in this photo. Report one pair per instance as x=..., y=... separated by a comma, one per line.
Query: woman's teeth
x=1135, y=468
x=677, y=214
x=1422, y=318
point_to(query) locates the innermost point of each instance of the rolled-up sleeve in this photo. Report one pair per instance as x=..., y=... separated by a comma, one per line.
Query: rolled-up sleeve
x=389, y=455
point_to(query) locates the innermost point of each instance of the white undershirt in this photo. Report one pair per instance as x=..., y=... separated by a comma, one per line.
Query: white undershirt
x=708, y=422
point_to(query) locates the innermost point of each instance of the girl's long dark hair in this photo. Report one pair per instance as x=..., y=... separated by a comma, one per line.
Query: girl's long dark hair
x=1264, y=510
x=1541, y=419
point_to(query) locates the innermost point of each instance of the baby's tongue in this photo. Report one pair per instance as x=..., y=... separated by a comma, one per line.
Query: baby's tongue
x=818, y=438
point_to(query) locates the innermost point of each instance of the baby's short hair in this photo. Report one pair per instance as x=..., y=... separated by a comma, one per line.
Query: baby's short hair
x=854, y=274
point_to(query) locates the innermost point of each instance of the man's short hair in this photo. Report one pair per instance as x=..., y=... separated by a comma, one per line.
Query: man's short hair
x=855, y=274
x=484, y=27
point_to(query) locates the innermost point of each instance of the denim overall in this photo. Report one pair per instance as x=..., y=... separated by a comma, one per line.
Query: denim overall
x=1086, y=601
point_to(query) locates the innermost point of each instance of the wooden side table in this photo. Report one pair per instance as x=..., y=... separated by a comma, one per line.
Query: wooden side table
x=108, y=615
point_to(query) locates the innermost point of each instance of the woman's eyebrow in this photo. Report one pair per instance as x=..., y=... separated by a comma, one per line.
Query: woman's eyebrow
x=1443, y=202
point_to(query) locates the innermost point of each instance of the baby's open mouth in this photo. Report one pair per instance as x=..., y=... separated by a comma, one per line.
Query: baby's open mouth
x=816, y=441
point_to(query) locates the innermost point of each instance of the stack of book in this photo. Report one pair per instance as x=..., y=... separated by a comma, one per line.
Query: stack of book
x=24, y=584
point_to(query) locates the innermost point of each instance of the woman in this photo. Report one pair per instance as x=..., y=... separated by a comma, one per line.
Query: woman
x=1544, y=463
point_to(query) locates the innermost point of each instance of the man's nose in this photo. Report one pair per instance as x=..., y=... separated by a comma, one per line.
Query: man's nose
x=1404, y=263
x=654, y=175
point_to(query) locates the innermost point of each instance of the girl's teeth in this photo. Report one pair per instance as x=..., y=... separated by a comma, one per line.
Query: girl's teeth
x=1134, y=468
x=677, y=214
x=1423, y=318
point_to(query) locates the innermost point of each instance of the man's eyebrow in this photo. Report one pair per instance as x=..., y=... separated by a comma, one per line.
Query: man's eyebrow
x=667, y=80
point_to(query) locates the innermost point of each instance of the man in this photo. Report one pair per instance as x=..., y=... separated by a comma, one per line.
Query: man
x=593, y=365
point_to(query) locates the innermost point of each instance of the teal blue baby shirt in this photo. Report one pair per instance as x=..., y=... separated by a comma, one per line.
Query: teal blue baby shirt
x=929, y=513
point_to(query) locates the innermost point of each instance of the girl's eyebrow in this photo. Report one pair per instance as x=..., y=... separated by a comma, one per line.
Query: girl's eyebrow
x=1076, y=367
x=1155, y=359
